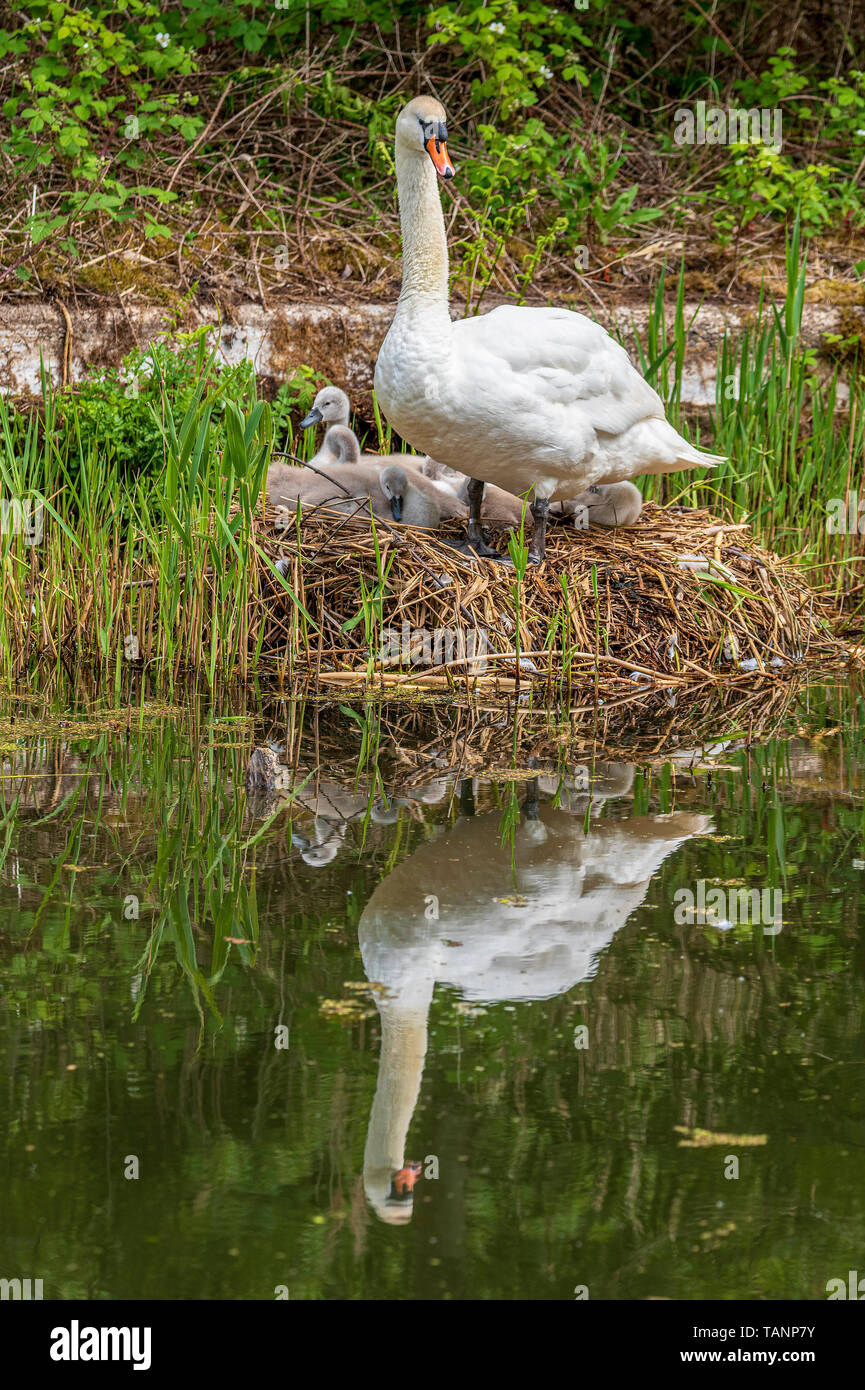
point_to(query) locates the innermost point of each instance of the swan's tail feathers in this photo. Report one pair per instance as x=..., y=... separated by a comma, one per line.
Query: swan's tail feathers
x=661, y=449
x=689, y=457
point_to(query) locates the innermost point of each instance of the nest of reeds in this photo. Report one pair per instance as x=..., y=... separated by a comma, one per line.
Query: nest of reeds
x=679, y=600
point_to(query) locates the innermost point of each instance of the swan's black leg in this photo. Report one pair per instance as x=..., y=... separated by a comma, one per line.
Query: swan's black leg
x=538, y=547
x=475, y=491
x=474, y=534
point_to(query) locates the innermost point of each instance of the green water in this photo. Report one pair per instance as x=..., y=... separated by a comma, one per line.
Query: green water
x=543, y=1035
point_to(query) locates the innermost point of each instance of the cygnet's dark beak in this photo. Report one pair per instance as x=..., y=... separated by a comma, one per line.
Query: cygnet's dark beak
x=311, y=419
x=396, y=507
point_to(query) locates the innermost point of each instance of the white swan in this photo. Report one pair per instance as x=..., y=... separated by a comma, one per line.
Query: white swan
x=540, y=398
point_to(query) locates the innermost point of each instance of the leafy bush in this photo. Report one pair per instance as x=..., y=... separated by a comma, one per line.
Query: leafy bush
x=120, y=409
x=126, y=413
x=98, y=100
x=576, y=171
x=516, y=47
x=83, y=77
x=760, y=182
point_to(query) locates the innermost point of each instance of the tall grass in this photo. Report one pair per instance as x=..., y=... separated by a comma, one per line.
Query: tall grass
x=791, y=440
x=157, y=568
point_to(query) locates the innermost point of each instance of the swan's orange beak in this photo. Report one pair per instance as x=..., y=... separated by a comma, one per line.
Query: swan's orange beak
x=402, y=1183
x=438, y=153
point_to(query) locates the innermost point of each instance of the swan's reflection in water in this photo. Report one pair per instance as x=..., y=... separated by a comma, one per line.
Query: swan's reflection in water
x=515, y=919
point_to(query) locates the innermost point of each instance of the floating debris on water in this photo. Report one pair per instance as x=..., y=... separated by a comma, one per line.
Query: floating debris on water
x=707, y=1138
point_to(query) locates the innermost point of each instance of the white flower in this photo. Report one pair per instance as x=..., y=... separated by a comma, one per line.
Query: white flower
x=545, y=72
x=496, y=28
x=163, y=40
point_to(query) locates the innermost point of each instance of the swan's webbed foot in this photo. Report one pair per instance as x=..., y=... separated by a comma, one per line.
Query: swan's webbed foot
x=538, y=547
x=474, y=548
x=476, y=545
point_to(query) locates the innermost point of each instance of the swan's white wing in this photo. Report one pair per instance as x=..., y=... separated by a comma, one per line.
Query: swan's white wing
x=561, y=358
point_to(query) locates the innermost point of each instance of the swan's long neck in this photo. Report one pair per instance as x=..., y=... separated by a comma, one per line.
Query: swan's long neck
x=424, y=245
x=403, y=1049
